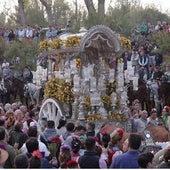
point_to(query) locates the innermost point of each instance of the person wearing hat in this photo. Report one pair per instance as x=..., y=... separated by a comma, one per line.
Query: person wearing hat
x=3, y=157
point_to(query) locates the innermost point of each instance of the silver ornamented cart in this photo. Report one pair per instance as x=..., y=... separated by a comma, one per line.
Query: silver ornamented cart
x=86, y=81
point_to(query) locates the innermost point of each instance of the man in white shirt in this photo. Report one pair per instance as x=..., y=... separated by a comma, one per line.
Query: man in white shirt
x=21, y=33
x=29, y=32
x=32, y=132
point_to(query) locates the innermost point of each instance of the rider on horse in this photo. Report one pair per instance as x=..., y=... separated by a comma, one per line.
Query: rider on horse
x=7, y=72
x=27, y=75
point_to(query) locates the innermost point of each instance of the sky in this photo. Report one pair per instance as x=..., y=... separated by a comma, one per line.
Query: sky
x=162, y=5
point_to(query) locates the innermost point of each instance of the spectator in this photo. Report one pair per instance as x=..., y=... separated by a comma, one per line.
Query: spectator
x=145, y=160
x=68, y=26
x=126, y=57
x=141, y=123
x=27, y=74
x=165, y=118
x=21, y=162
x=78, y=133
x=152, y=119
x=158, y=59
x=6, y=34
x=69, y=130
x=143, y=29
x=21, y=33
x=14, y=106
x=7, y=72
x=76, y=146
x=19, y=117
x=29, y=118
x=166, y=160
x=49, y=132
x=35, y=162
x=29, y=33
x=32, y=132
x=64, y=156
x=7, y=107
x=104, y=145
x=90, y=129
x=61, y=129
x=115, y=144
x=10, y=149
x=49, y=33
x=16, y=137
x=157, y=74
x=35, y=155
x=11, y=36
x=3, y=157
x=143, y=60
x=90, y=159
x=134, y=58
x=129, y=159
x=102, y=161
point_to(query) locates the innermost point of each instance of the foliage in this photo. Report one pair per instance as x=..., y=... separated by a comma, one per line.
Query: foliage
x=61, y=10
x=26, y=50
x=123, y=17
x=33, y=11
x=162, y=39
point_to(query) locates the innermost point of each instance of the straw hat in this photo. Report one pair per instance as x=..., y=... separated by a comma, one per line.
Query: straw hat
x=3, y=156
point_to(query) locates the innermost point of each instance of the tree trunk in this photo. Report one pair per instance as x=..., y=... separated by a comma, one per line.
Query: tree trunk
x=21, y=11
x=101, y=9
x=92, y=14
x=90, y=6
x=48, y=10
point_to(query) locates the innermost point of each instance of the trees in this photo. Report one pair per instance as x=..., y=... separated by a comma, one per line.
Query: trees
x=95, y=16
x=21, y=7
x=48, y=7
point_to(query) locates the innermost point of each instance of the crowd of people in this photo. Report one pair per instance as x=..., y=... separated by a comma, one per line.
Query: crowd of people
x=35, y=32
x=27, y=142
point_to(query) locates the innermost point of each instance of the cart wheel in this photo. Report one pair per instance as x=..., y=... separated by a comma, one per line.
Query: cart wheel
x=52, y=110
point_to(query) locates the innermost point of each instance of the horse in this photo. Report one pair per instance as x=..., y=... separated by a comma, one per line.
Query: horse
x=10, y=89
x=17, y=89
x=33, y=92
x=164, y=93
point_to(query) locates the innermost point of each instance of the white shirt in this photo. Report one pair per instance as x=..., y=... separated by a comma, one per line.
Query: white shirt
x=29, y=33
x=42, y=148
x=21, y=33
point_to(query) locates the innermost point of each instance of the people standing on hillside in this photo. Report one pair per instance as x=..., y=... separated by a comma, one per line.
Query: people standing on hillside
x=21, y=33
x=29, y=33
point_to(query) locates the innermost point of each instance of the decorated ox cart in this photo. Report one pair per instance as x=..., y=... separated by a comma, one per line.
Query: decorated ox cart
x=84, y=81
